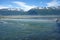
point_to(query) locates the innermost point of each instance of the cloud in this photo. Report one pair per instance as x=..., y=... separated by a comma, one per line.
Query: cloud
x=24, y=5
x=2, y=7
x=53, y=3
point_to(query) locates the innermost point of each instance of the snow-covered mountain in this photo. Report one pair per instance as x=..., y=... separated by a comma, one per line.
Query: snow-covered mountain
x=19, y=9
x=33, y=11
x=11, y=9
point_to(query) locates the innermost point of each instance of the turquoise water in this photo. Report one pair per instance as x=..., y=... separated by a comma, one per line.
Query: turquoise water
x=29, y=29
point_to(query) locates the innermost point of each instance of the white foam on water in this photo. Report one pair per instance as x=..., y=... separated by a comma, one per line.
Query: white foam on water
x=30, y=20
x=4, y=22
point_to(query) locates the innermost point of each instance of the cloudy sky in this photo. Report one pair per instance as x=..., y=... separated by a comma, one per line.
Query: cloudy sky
x=28, y=4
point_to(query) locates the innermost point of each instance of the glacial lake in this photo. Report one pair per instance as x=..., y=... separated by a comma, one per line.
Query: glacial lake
x=29, y=29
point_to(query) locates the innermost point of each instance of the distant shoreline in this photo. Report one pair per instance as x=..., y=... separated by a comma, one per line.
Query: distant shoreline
x=29, y=16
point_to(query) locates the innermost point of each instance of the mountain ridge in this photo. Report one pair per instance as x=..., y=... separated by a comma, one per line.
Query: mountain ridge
x=33, y=11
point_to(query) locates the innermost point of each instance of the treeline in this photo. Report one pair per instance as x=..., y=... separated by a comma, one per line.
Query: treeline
x=34, y=11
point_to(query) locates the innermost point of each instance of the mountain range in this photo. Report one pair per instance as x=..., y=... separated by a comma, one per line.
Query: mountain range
x=33, y=11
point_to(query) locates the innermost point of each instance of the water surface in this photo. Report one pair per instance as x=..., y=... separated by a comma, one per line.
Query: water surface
x=29, y=29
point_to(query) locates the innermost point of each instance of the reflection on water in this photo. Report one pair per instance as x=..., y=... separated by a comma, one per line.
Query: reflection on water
x=29, y=29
